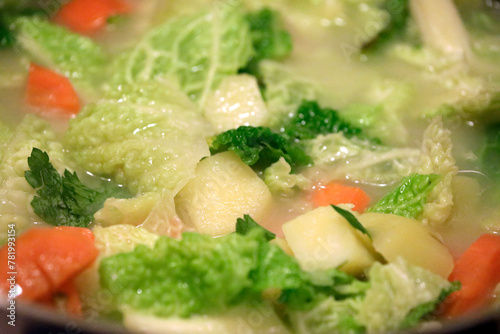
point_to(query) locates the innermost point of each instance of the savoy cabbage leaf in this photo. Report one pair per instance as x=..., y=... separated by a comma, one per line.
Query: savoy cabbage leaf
x=77, y=57
x=269, y=39
x=197, y=50
x=397, y=295
x=146, y=148
x=437, y=158
x=409, y=198
x=361, y=160
x=260, y=147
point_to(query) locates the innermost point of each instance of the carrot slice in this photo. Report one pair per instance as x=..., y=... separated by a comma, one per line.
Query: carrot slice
x=478, y=270
x=89, y=16
x=47, y=89
x=336, y=193
x=46, y=261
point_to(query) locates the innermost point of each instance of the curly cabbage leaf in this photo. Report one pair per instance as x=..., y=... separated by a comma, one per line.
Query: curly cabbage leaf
x=154, y=212
x=279, y=178
x=396, y=290
x=260, y=147
x=209, y=275
x=158, y=93
x=311, y=120
x=361, y=160
x=437, y=157
x=284, y=91
x=399, y=15
x=269, y=39
x=380, y=111
x=205, y=275
x=122, y=238
x=197, y=50
x=145, y=148
x=15, y=192
x=409, y=199
x=73, y=55
x=330, y=316
x=109, y=241
x=397, y=294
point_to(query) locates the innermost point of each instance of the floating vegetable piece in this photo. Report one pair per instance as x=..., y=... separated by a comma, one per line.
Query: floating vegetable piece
x=478, y=271
x=46, y=260
x=324, y=239
x=48, y=90
x=223, y=190
x=401, y=237
x=62, y=200
x=260, y=147
x=337, y=193
x=212, y=43
x=409, y=198
x=89, y=16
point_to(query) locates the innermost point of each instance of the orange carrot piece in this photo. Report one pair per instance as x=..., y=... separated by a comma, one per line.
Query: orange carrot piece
x=478, y=270
x=46, y=260
x=336, y=193
x=89, y=16
x=48, y=90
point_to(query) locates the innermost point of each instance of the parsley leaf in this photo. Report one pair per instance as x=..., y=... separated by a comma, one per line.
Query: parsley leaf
x=62, y=200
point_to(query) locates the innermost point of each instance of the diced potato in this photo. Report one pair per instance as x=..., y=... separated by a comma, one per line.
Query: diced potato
x=323, y=239
x=236, y=102
x=395, y=236
x=223, y=190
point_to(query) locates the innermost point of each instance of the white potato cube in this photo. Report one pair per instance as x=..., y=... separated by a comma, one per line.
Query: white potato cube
x=223, y=190
x=395, y=236
x=324, y=239
x=236, y=102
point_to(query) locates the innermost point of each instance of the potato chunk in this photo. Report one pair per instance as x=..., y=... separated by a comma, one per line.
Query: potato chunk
x=323, y=239
x=395, y=236
x=223, y=190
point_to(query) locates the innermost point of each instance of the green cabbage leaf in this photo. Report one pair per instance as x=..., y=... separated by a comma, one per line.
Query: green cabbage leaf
x=76, y=57
x=398, y=293
x=196, y=50
x=409, y=198
x=437, y=158
x=361, y=160
x=148, y=149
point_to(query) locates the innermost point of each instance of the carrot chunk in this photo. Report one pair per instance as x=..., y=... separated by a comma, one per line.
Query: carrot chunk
x=336, y=193
x=48, y=90
x=46, y=261
x=89, y=16
x=478, y=270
